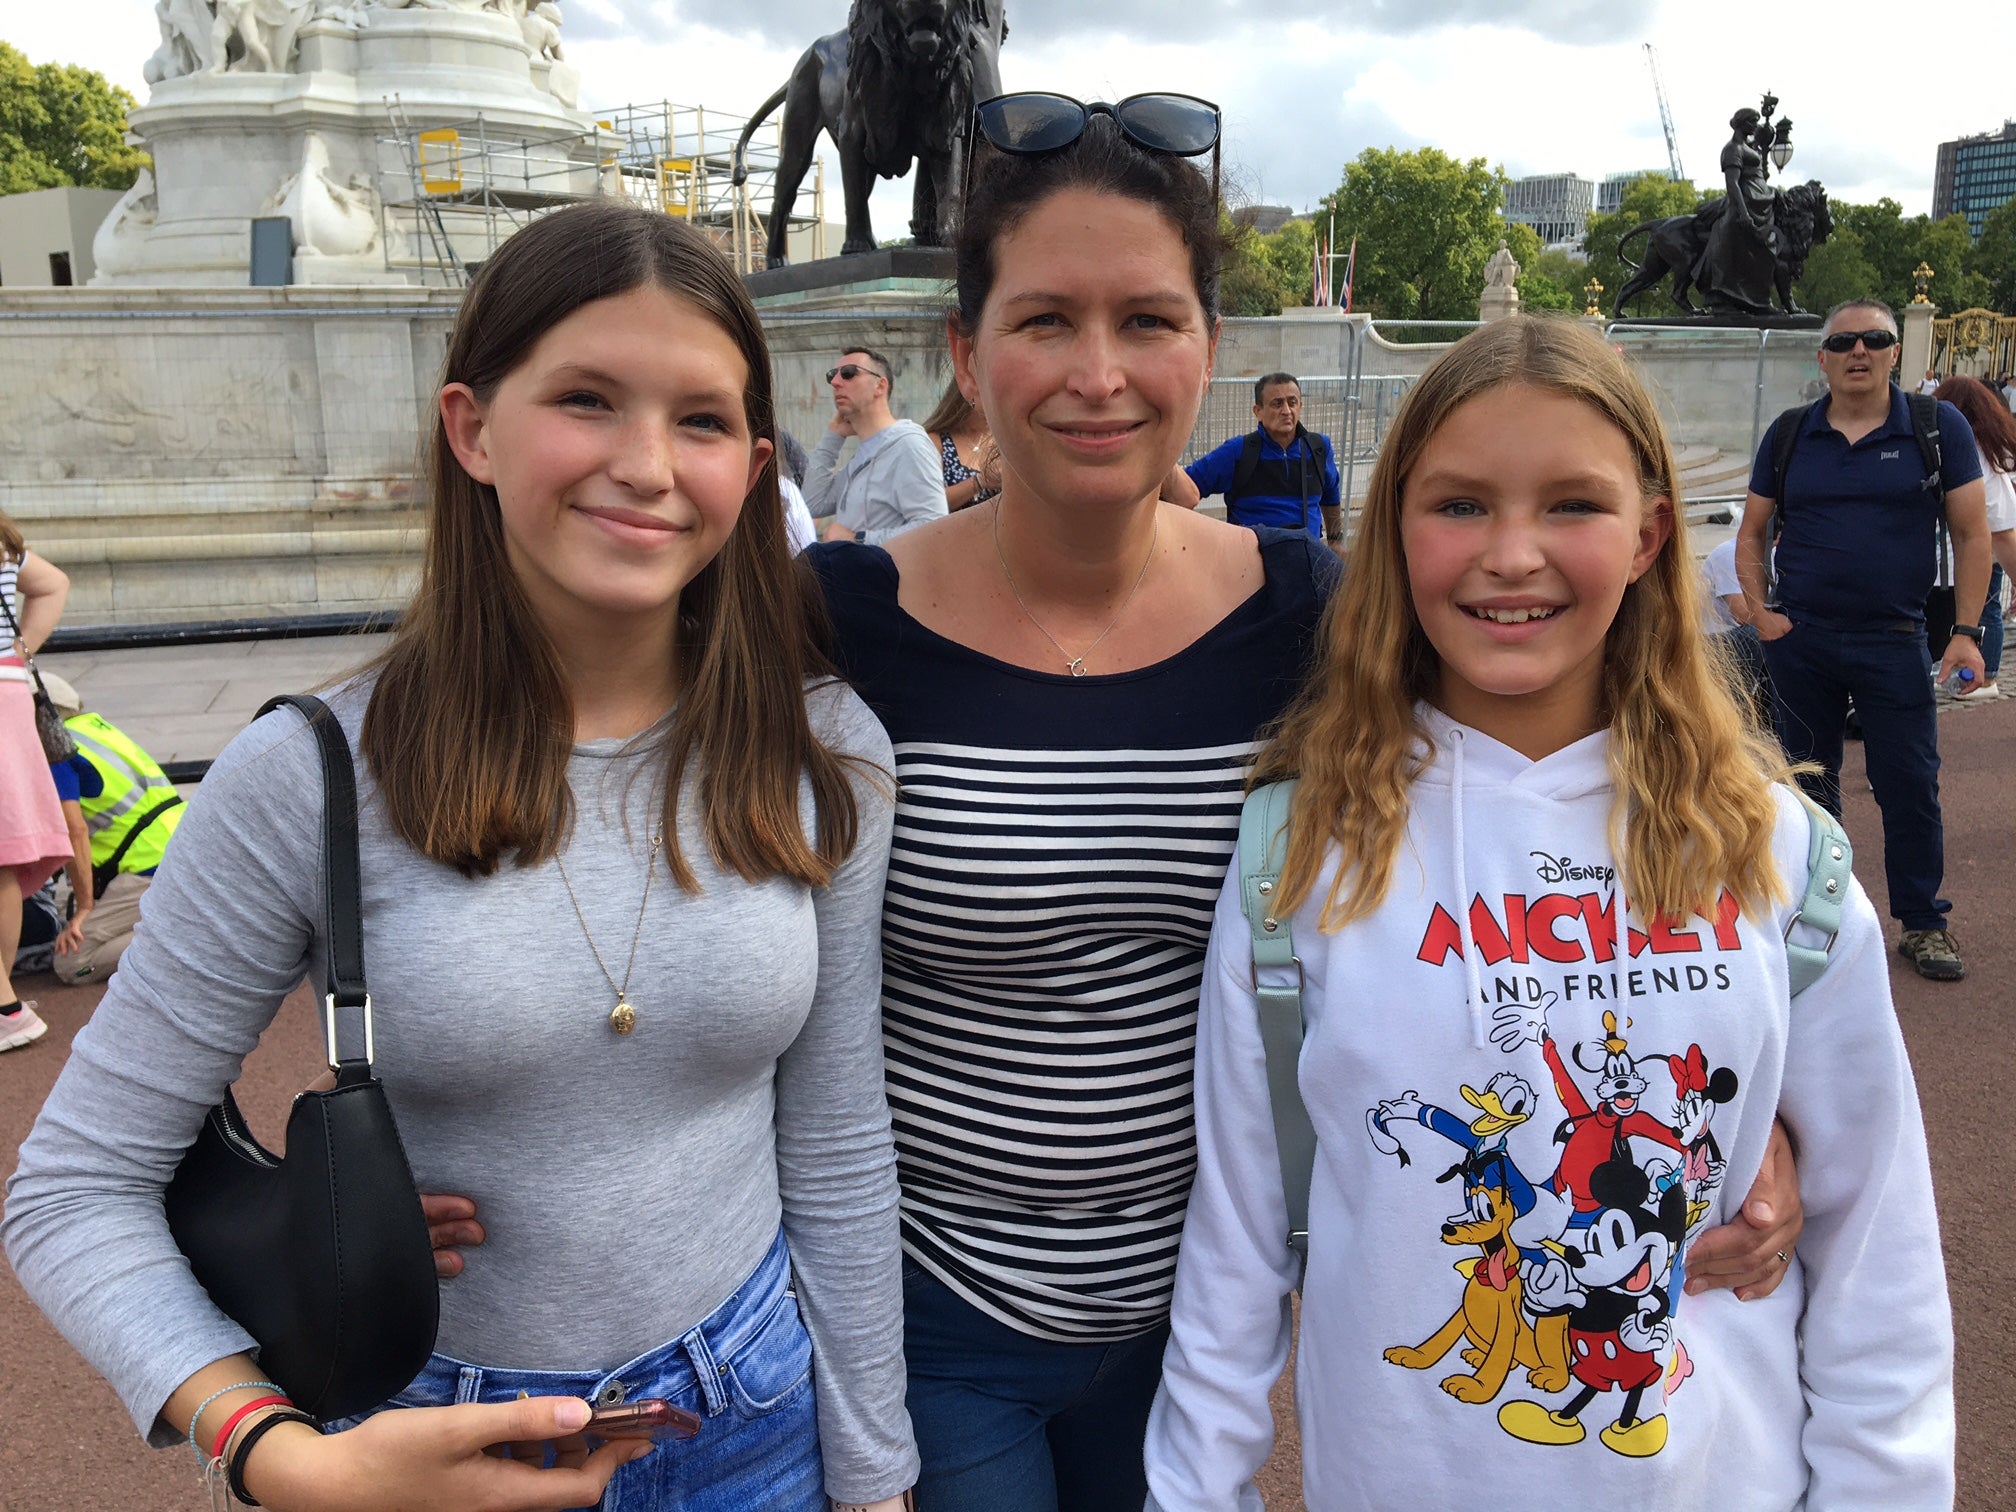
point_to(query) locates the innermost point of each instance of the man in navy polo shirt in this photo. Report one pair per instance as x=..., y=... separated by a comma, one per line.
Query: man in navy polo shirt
x=1279, y=473
x=1857, y=529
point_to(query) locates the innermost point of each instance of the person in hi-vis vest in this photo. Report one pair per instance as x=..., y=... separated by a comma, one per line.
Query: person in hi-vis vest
x=122, y=811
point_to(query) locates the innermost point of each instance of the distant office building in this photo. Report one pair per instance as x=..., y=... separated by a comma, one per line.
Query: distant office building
x=45, y=236
x=1975, y=175
x=1555, y=205
x=1610, y=193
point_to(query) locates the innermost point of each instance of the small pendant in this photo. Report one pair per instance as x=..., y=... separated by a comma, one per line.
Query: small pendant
x=1076, y=666
x=622, y=1018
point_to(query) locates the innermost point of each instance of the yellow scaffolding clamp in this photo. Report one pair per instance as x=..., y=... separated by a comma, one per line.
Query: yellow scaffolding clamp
x=675, y=185
x=441, y=161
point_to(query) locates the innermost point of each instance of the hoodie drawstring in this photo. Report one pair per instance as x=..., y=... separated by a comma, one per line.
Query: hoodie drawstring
x=1473, y=980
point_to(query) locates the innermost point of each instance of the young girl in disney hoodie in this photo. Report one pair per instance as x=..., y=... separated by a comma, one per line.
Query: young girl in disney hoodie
x=1540, y=872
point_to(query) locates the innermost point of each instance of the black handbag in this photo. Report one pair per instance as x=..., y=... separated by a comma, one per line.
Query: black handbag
x=321, y=1255
x=57, y=746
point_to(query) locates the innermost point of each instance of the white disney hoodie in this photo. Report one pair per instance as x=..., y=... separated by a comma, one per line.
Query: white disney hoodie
x=1518, y=1134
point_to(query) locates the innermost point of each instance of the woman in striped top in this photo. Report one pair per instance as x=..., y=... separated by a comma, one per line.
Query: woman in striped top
x=1073, y=677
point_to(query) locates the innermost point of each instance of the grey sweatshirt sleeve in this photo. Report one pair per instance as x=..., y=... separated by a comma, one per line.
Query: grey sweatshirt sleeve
x=911, y=481
x=823, y=484
x=836, y=1158
x=225, y=936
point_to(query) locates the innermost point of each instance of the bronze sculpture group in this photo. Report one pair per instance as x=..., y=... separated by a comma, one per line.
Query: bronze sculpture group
x=1739, y=250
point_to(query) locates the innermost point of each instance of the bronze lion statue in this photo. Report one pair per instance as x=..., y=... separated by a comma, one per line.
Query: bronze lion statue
x=896, y=87
x=1800, y=221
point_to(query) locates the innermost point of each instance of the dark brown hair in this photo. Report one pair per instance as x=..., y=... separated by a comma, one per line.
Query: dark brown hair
x=1007, y=186
x=471, y=725
x=1987, y=416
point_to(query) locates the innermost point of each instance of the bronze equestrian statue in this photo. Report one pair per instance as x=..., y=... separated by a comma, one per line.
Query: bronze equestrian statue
x=897, y=86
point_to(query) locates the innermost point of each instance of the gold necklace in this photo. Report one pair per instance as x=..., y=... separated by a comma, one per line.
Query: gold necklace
x=623, y=1017
x=1075, y=665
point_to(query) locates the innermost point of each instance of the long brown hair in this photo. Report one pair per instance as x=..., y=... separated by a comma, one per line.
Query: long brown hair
x=471, y=725
x=1692, y=771
x=953, y=411
x=13, y=545
x=1987, y=416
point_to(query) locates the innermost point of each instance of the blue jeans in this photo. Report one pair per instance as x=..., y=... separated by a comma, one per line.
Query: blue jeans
x=1010, y=1423
x=1815, y=670
x=746, y=1368
x=1991, y=624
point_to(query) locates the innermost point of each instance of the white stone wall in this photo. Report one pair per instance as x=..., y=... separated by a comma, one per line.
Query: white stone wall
x=42, y=221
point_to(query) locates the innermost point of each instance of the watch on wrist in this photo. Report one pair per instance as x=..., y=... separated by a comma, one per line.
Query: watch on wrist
x=1972, y=632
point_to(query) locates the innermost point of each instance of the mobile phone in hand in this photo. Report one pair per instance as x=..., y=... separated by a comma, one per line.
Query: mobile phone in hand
x=647, y=1417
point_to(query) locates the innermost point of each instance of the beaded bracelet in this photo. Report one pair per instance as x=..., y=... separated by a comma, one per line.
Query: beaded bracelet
x=243, y=1452
x=197, y=1416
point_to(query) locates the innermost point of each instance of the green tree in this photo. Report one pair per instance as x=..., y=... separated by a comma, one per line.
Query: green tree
x=1836, y=270
x=1425, y=224
x=1649, y=197
x=1993, y=259
x=61, y=124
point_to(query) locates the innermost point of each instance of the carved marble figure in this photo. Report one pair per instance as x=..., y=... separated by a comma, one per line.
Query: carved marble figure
x=185, y=40
x=265, y=31
x=896, y=87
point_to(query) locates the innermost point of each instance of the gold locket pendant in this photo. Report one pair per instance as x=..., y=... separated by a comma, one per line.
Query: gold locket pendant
x=622, y=1018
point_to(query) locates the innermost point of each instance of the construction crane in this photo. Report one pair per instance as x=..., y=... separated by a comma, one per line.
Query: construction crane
x=1665, y=118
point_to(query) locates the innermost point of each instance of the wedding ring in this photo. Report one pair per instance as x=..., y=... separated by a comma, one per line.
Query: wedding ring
x=1783, y=1258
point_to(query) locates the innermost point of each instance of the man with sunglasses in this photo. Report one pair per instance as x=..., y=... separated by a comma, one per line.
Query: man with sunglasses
x=894, y=479
x=1854, y=488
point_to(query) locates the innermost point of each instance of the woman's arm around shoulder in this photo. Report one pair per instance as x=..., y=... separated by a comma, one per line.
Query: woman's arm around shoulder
x=1877, y=1337
x=1212, y=1427
x=225, y=935
x=836, y=1159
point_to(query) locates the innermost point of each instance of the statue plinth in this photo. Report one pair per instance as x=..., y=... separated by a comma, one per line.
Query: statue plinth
x=897, y=278
x=311, y=140
x=1731, y=321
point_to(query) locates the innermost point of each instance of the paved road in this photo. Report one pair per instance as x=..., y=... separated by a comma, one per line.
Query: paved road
x=66, y=1446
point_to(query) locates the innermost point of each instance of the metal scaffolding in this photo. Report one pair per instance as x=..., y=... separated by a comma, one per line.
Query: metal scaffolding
x=451, y=194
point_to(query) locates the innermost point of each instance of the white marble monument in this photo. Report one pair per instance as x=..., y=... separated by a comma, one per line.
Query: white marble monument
x=284, y=108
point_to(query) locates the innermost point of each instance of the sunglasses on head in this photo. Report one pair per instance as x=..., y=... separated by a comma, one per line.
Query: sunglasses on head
x=1025, y=125
x=852, y=370
x=1844, y=341
x=1177, y=124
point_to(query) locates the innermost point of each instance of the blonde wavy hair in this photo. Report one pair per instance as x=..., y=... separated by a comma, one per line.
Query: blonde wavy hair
x=1691, y=768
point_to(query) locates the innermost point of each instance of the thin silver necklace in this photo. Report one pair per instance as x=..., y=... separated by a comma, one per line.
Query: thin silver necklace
x=623, y=1017
x=1075, y=665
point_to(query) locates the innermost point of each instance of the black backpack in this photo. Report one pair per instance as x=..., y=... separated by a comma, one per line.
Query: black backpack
x=1316, y=453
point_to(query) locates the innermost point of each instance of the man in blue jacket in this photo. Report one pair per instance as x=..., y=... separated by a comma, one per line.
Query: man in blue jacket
x=1279, y=473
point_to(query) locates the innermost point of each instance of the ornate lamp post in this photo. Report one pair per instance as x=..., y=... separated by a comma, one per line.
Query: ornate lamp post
x=1781, y=148
x=1921, y=276
x=1590, y=291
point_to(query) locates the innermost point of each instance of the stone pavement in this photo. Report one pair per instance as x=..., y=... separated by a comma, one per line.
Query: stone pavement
x=182, y=703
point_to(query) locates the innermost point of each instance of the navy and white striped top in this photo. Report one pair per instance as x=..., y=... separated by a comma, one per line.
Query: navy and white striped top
x=1059, y=846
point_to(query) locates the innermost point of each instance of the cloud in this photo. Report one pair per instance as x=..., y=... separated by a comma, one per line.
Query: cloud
x=796, y=23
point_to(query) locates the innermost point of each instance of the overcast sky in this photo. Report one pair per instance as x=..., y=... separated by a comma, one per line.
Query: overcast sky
x=1536, y=86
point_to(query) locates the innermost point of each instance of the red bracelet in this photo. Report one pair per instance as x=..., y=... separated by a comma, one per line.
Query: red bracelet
x=217, y=1449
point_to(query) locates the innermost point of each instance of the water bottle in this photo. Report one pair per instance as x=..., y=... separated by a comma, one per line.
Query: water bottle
x=1960, y=683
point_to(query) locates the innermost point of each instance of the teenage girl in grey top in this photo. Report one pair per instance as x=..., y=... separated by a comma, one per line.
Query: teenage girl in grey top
x=623, y=856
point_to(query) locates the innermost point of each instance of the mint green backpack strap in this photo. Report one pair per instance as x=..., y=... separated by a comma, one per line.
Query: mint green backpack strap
x=1830, y=866
x=1277, y=989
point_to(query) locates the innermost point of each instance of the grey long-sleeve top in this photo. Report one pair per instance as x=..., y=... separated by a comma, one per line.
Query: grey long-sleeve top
x=894, y=480
x=628, y=1185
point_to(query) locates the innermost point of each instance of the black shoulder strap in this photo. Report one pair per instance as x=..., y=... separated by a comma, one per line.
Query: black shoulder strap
x=1243, y=470
x=1784, y=437
x=1925, y=431
x=342, y=875
x=103, y=873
